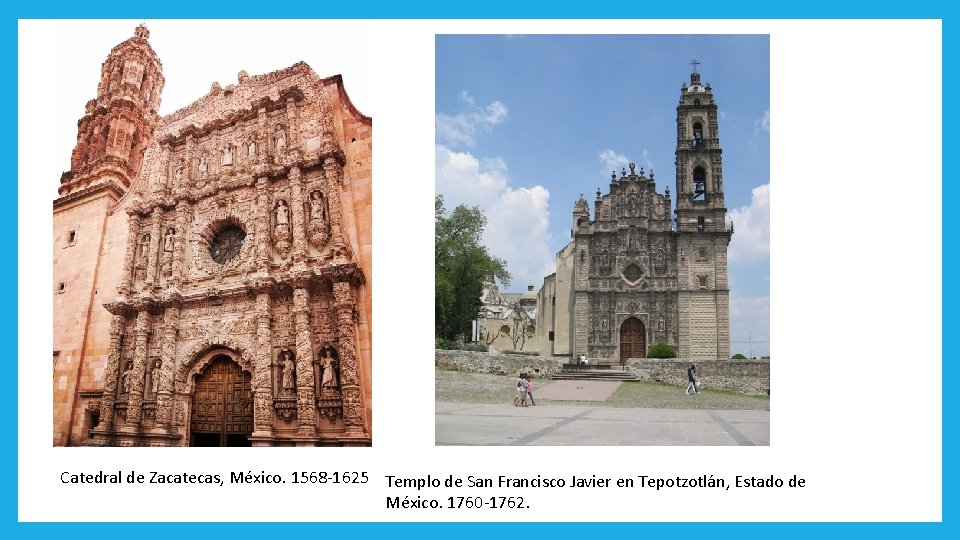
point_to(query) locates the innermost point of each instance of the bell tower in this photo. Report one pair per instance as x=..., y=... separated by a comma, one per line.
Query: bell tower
x=701, y=229
x=116, y=128
x=118, y=124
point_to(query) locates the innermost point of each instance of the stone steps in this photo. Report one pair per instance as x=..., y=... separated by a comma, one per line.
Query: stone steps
x=594, y=375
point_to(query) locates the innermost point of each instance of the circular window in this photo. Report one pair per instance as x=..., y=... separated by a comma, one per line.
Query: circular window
x=226, y=243
x=632, y=273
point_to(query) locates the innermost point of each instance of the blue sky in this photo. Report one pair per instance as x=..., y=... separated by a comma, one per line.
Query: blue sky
x=526, y=123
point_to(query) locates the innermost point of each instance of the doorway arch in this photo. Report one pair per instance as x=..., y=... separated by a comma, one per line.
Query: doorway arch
x=222, y=410
x=633, y=340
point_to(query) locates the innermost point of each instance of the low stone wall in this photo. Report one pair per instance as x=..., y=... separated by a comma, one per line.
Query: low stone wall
x=497, y=363
x=747, y=376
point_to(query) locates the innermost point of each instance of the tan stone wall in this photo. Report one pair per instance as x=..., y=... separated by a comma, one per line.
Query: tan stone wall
x=563, y=321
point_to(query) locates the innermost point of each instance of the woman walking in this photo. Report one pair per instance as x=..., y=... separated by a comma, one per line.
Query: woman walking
x=692, y=378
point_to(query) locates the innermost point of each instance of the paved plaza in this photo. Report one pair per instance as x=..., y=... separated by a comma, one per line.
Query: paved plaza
x=472, y=424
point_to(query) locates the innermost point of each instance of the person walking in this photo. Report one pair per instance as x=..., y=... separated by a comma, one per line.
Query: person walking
x=530, y=390
x=692, y=378
x=520, y=400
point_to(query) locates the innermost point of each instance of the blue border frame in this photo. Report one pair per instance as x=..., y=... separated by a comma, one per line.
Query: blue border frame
x=918, y=9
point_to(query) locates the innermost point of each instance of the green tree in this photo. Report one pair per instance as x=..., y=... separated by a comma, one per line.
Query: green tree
x=462, y=265
x=738, y=356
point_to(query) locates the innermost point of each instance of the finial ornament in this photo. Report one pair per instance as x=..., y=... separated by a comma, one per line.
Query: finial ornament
x=694, y=64
x=141, y=31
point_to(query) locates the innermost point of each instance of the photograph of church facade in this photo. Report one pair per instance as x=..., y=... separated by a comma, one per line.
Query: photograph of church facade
x=629, y=278
x=212, y=266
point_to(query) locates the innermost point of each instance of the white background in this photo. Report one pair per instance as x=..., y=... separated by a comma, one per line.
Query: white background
x=855, y=291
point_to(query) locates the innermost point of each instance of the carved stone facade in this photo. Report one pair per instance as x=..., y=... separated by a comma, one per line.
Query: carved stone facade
x=236, y=235
x=632, y=277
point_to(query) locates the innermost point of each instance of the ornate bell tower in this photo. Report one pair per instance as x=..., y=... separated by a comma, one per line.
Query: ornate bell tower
x=702, y=232
x=118, y=125
x=112, y=135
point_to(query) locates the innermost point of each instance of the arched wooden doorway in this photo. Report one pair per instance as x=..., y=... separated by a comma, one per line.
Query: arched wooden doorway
x=222, y=412
x=633, y=340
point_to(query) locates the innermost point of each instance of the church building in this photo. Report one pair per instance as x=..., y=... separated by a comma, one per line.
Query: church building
x=212, y=266
x=632, y=277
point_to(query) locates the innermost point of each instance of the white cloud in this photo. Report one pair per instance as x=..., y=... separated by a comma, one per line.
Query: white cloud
x=463, y=128
x=764, y=121
x=751, y=224
x=518, y=219
x=613, y=161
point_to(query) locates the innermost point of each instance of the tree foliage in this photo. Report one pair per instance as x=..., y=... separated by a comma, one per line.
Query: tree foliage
x=738, y=356
x=662, y=350
x=462, y=265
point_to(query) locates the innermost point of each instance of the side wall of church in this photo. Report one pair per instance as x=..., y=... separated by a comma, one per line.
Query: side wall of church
x=546, y=315
x=563, y=321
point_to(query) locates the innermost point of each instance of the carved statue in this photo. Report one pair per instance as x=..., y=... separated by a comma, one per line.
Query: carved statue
x=228, y=155
x=178, y=174
x=168, y=240
x=316, y=206
x=144, y=245
x=126, y=378
x=281, y=138
x=155, y=376
x=252, y=149
x=202, y=165
x=282, y=217
x=286, y=373
x=327, y=364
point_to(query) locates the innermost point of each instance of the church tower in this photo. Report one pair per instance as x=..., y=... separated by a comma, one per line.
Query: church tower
x=115, y=130
x=118, y=125
x=702, y=232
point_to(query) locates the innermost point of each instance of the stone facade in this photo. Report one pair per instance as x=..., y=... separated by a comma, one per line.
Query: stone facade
x=229, y=240
x=633, y=277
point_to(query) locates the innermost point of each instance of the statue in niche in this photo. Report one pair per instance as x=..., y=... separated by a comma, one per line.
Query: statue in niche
x=282, y=215
x=127, y=378
x=281, y=139
x=168, y=240
x=660, y=325
x=286, y=373
x=317, y=206
x=202, y=165
x=252, y=149
x=155, y=376
x=178, y=173
x=228, y=156
x=144, y=246
x=328, y=365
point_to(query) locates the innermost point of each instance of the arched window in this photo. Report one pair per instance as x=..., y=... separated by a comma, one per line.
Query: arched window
x=699, y=184
x=697, y=133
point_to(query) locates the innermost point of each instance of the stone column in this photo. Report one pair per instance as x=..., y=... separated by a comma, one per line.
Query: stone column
x=111, y=375
x=350, y=376
x=135, y=397
x=263, y=226
x=306, y=402
x=160, y=187
x=179, y=242
x=297, y=220
x=156, y=240
x=262, y=391
x=168, y=359
x=126, y=279
x=294, y=130
x=334, y=174
x=188, y=174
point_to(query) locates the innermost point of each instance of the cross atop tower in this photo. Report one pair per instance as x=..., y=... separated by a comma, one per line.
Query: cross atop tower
x=694, y=64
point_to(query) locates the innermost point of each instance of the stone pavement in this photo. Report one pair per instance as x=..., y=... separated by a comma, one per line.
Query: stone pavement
x=576, y=390
x=472, y=424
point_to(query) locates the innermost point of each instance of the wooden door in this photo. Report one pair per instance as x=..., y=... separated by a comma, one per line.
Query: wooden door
x=633, y=340
x=222, y=412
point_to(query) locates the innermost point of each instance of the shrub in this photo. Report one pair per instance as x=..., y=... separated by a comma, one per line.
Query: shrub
x=475, y=347
x=445, y=344
x=738, y=356
x=662, y=350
